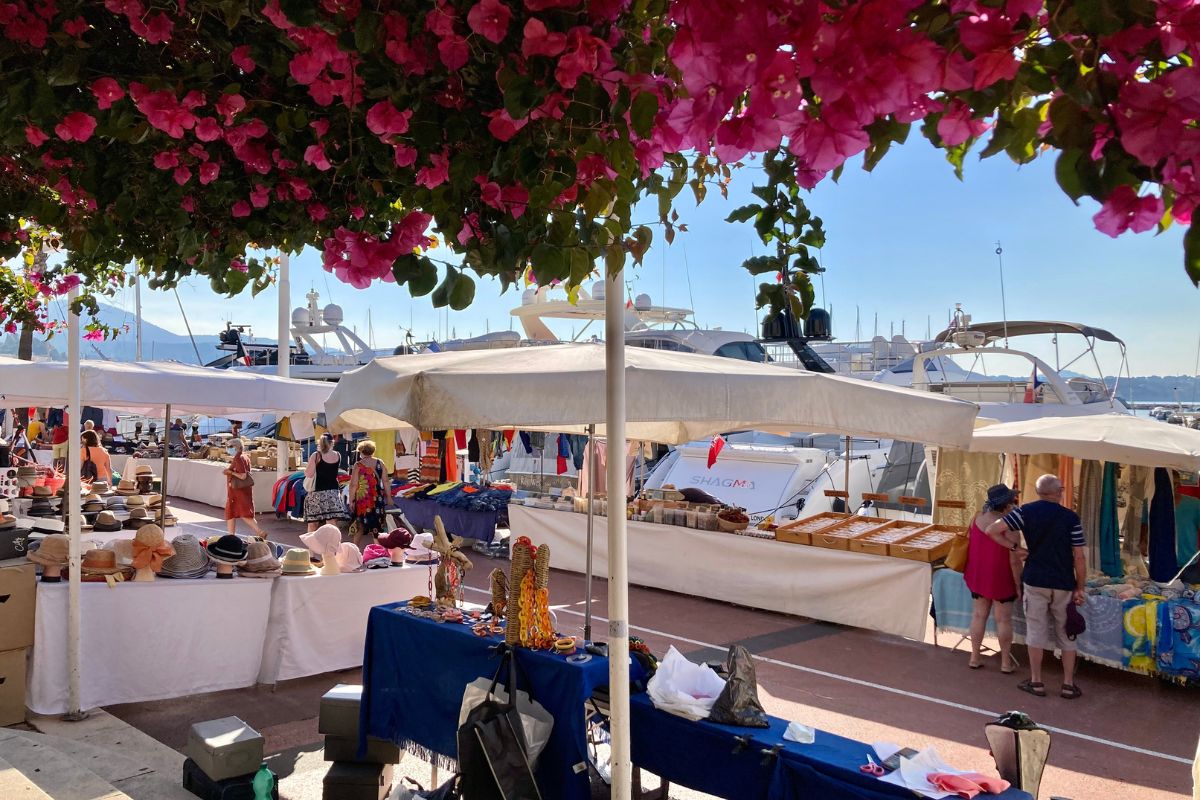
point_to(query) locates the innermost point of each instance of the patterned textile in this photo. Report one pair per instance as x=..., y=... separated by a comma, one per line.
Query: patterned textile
x=1110, y=547
x=1088, y=507
x=1140, y=636
x=1179, y=639
x=964, y=476
x=322, y=505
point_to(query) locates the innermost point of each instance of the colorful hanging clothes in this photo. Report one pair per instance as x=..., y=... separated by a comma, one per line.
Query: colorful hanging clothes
x=1187, y=528
x=1110, y=546
x=1141, y=623
x=431, y=461
x=450, y=457
x=1162, y=528
x=564, y=453
x=1179, y=639
x=1090, y=474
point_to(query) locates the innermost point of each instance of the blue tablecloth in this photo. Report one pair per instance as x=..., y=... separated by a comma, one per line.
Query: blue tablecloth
x=414, y=674
x=701, y=756
x=479, y=525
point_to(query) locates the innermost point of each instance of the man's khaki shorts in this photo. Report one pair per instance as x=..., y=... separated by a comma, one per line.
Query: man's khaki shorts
x=1046, y=618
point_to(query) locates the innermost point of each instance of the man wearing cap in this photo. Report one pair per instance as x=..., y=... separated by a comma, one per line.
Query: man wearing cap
x=1053, y=577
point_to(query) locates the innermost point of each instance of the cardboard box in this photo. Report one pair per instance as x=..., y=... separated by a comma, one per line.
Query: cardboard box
x=357, y=781
x=12, y=686
x=225, y=748
x=339, y=711
x=18, y=594
x=344, y=748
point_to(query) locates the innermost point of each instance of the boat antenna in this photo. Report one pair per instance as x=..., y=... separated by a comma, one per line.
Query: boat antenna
x=1003, y=301
x=188, y=325
x=857, y=325
x=687, y=271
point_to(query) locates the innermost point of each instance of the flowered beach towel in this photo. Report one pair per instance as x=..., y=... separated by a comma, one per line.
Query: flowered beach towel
x=1179, y=639
x=1141, y=621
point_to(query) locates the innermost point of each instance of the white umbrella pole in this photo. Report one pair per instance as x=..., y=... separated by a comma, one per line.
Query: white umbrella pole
x=849, y=444
x=618, y=568
x=283, y=358
x=162, y=507
x=71, y=494
x=591, y=494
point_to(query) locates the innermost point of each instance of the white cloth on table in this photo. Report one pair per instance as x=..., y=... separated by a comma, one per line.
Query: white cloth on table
x=205, y=482
x=866, y=591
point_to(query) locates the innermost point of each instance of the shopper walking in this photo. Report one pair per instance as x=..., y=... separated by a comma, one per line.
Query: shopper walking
x=324, y=502
x=370, y=494
x=239, y=497
x=93, y=452
x=990, y=577
x=1053, y=577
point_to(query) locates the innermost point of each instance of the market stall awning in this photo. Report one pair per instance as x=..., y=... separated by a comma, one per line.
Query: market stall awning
x=669, y=397
x=1120, y=438
x=147, y=386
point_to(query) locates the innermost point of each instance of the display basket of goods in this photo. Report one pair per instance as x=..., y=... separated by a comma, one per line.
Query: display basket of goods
x=878, y=540
x=931, y=544
x=801, y=530
x=838, y=537
x=732, y=519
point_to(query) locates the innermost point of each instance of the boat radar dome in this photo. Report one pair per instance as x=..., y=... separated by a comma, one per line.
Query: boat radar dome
x=332, y=314
x=598, y=290
x=300, y=317
x=818, y=324
x=642, y=302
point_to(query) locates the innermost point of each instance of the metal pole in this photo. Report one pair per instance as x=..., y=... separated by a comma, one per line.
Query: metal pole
x=71, y=494
x=618, y=568
x=137, y=304
x=591, y=515
x=849, y=444
x=162, y=507
x=283, y=359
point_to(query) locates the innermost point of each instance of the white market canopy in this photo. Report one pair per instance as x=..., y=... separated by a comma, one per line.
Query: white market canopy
x=669, y=397
x=1119, y=438
x=148, y=386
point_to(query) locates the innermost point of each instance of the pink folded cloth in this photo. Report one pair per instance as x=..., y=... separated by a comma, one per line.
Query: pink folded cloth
x=967, y=785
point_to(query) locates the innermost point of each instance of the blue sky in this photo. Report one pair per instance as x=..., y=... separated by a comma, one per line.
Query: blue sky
x=905, y=242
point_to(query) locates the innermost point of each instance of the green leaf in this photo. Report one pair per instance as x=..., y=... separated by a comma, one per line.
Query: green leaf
x=744, y=213
x=441, y=295
x=1191, y=252
x=462, y=293
x=1066, y=172
x=761, y=265
x=299, y=12
x=642, y=113
x=614, y=259
x=548, y=262
x=235, y=281
x=366, y=30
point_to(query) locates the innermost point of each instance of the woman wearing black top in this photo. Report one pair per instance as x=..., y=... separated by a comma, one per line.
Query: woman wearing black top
x=324, y=502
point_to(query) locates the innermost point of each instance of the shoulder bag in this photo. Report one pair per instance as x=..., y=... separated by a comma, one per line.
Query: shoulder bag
x=493, y=759
x=241, y=483
x=956, y=559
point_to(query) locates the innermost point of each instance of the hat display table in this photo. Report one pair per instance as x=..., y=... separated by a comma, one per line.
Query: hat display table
x=858, y=589
x=149, y=641
x=205, y=482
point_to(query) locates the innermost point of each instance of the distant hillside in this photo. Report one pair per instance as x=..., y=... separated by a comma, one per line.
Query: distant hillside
x=1159, y=388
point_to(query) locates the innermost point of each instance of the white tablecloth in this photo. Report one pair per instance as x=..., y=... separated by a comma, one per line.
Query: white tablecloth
x=319, y=623
x=204, y=481
x=150, y=641
x=865, y=591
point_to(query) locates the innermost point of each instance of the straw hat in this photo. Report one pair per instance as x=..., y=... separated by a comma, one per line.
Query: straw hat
x=229, y=549
x=49, y=526
x=190, y=559
x=137, y=518
x=135, y=500
x=101, y=487
x=296, y=562
x=260, y=562
x=100, y=562
x=144, y=470
x=127, y=487
x=153, y=500
x=115, y=502
x=42, y=491
x=150, y=548
x=53, y=551
x=106, y=522
x=92, y=503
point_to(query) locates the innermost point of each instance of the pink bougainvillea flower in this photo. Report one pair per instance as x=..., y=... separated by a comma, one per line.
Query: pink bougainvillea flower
x=384, y=119
x=453, y=52
x=956, y=125
x=260, y=195
x=321, y=126
x=240, y=209
x=515, y=199
x=207, y=129
x=504, y=127
x=107, y=91
x=239, y=265
x=437, y=173
x=538, y=41
x=242, y=59
x=581, y=57
x=1125, y=211
x=182, y=174
x=162, y=110
x=317, y=212
x=305, y=67
x=314, y=154
x=166, y=159
x=187, y=204
x=209, y=171
x=489, y=192
x=198, y=152
x=94, y=335
x=273, y=12
x=76, y=127
x=404, y=155
x=155, y=29
x=76, y=27
x=826, y=143
x=490, y=19
x=193, y=100
x=35, y=136
x=229, y=105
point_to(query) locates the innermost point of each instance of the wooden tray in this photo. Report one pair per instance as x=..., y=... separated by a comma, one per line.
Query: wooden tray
x=838, y=536
x=930, y=545
x=800, y=531
x=877, y=541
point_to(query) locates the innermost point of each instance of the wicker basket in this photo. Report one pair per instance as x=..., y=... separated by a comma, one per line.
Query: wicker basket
x=731, y=527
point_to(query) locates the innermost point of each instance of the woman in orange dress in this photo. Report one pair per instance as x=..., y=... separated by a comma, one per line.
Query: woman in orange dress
x=239, y=500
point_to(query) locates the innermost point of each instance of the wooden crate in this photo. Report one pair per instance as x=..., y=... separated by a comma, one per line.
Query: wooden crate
x=838, y=536
x=930, y=545
x=800, y=531
x=877, y=541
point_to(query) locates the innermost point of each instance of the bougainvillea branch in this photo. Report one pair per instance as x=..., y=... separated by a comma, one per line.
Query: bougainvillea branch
x=523, y=132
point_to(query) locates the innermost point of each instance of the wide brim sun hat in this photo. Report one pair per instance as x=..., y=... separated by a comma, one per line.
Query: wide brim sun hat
x=229, y=549
x=296, y=561
x=54, y=550
x=190, y=559
x=106, y=522
x=260, y=562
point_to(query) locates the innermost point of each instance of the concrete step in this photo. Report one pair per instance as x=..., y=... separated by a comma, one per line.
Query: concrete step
x=15, y=786
x=55, y=774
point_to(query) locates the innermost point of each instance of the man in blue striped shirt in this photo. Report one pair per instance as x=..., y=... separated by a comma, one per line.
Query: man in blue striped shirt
x=1052, y=578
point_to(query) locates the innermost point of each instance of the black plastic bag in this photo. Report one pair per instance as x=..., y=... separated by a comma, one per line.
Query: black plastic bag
x=493, y=759
x=738, y=702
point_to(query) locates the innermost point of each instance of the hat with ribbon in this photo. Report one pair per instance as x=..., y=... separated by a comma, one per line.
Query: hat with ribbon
x=114, y=502
x=127, y=486
x=376, y=556
x=106, y=522
x=260, y=562
x=144, y=471
x=101, y=487
x=153, y=500
x=52, y=552
x=190, y=559
x=296, y=561
x=135, y=500
x=92, y=503
x=137, y=518
x=150, y=548
x=229, y=549
x=98, y=563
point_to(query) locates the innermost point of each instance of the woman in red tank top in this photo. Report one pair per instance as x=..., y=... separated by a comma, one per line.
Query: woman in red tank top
x=989, y=576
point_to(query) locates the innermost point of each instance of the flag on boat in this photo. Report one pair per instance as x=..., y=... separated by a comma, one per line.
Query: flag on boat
x=714, y=449
x=1031, y=387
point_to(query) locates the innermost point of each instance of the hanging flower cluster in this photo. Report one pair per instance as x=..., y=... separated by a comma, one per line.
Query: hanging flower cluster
x=524, y=131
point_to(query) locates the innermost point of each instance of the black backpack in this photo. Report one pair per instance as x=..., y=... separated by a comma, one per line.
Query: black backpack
x=87, y=469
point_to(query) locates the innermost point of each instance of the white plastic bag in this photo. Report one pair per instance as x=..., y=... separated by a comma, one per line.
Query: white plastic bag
x=536, y=721
x=683, y=688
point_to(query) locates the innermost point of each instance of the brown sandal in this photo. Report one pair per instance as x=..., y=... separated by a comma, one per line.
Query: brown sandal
x=1071, y=692
x=1035, y=688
